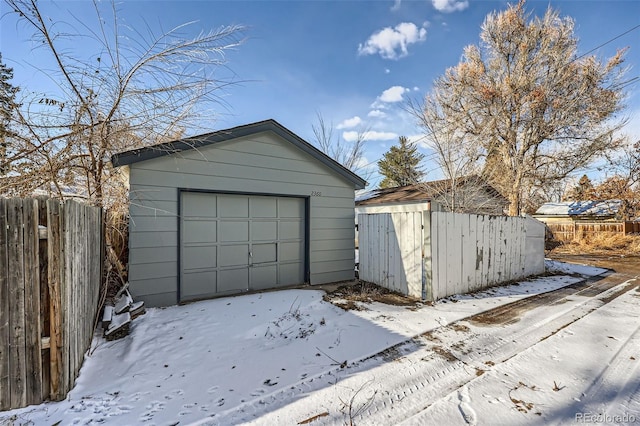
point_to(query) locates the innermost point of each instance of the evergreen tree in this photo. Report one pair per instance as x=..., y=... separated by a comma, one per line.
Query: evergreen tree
x=582, y=191
x=7, y=105
x=399, y=165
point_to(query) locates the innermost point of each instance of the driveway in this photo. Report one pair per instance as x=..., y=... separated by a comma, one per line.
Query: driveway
x=564, y=357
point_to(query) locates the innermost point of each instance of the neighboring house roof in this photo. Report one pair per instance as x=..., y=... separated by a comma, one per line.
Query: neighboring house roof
x=587, y=208
x=420, y=192
x=168, y=148
x=400, y=194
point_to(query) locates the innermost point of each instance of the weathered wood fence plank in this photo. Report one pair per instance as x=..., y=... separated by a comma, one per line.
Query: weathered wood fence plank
x=33, y=333
x=17, y=362
x=568, y=231
x=5, y=401
x=49, y=288
x=55, y=272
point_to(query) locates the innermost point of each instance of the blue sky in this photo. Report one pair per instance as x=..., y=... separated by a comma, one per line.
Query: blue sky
x=355, y=62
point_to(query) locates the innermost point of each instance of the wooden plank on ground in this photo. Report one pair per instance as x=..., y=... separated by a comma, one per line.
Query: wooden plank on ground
x=17, y=356
x=33, y=359
x=55, y=273
x=5, y=401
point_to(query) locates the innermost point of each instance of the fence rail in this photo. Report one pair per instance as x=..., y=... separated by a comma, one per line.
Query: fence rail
x=50, y=274
x=577, y=230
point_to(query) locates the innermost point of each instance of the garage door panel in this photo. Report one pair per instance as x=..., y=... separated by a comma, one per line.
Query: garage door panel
x=233, y=280
x=199, y=257
x=233, y=231
x=291, y=229
x=199, y=231
x=232, y=206
x=266, y=207
x=291, y=207
x=198, y=284
x=264, y=277
x=233, y=255
x=264, y=230
x=199, y=205
x=264, y=253
x=292, y=251
x=232, y=243
x=291, y=273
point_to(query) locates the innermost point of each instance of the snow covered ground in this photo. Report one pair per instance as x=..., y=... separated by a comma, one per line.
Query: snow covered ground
x=286, y=357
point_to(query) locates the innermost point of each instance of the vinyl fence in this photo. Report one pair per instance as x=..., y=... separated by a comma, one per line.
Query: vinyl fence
x=431, y=255
x=50, y=274
x=564, y=231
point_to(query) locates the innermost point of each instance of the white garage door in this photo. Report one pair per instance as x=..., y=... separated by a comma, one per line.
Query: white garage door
x=235, y=243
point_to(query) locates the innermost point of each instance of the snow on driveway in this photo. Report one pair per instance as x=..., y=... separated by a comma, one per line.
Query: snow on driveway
x=244, y=358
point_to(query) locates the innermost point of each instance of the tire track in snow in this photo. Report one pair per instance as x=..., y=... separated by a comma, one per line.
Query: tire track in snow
x=605, y=395
x=509, y=345
x=603, y=298
x=399, y=396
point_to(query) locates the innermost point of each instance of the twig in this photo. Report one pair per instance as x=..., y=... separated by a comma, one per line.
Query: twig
x=341, y=364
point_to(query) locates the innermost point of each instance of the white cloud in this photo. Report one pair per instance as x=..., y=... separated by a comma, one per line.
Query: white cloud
x=387, y=70
x=349, y=123
x=393, y=43
x=396, y=5
x=393, y=94
x=372, y=135
x=376, y=113
x=416, y=88
x=449, y=6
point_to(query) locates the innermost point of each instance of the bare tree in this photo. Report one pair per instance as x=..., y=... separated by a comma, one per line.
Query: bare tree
x=626, y=164
x=349, y=154
x=463, y=188
x=137, y=89
x=537, y=110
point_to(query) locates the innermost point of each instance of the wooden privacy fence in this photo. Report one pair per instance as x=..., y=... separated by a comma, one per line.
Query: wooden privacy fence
x=50, y=274
x=575, y=230
x=431, y=255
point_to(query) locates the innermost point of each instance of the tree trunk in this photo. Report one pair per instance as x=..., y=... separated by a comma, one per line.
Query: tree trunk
x=514, y=202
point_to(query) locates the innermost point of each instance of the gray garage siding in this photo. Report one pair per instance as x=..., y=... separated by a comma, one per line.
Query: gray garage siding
x=260, y=163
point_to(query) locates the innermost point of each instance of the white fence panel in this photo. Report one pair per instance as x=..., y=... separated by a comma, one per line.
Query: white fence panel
x=391, y=251
x=472, y=252
x=432, y=255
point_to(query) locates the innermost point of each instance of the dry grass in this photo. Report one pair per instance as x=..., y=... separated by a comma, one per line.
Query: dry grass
x=603, y=243
x=353, y=296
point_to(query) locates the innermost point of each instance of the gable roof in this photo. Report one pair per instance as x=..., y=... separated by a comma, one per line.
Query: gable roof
x=586, y=208
x=420, y=192
x=160, y=150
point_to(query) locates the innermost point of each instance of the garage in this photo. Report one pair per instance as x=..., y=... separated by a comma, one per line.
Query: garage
x=232, y=243
x=243, y=209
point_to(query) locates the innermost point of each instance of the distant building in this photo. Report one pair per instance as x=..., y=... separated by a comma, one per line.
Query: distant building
x=570, y=211
x=472, y=195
